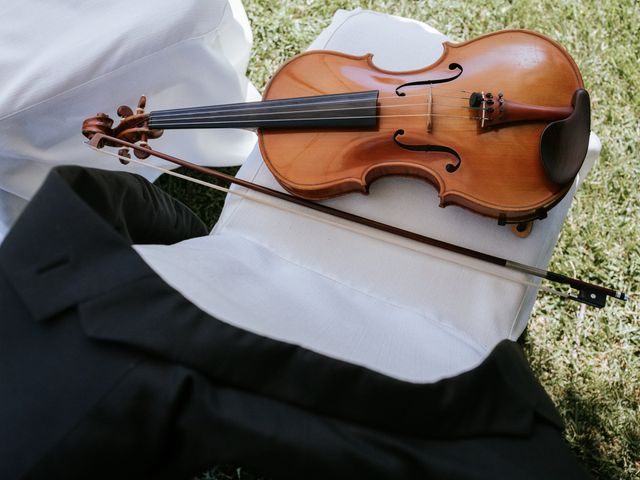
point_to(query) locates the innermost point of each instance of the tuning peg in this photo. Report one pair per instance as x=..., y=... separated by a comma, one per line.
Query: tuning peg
x=124, y=111
x=142, y=103
x=143, y=144
x=124, y=152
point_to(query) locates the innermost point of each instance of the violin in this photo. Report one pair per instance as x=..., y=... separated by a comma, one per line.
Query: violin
x=499, y=124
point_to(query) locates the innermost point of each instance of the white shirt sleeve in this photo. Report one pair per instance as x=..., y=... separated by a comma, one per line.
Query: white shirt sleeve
x=61, y=62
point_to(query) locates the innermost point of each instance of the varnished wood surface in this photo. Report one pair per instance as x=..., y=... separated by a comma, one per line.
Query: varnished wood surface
x=500, y=175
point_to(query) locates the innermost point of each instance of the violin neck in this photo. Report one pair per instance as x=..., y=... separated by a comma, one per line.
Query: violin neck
x=343, y=110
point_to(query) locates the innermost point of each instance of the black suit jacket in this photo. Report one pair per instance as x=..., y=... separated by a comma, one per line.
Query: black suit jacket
x=107, y=372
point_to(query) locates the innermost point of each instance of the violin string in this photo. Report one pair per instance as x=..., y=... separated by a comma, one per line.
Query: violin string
x=442, y=88
x=385, y=238
x=435, y=88
x=265, y=105
x=205, y=116
x=168, y=124
x=141, y=123
x=256, y=107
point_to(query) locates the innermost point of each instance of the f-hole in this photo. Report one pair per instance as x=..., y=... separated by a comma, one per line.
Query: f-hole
x=451, y=167
x=452, y=66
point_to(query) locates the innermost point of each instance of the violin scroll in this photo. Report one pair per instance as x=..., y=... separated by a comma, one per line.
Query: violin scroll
x=133, y=128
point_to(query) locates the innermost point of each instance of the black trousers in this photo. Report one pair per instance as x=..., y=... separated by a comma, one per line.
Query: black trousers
x=107, y=372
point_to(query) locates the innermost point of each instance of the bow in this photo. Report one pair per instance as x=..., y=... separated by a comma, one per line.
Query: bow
x=134, y=127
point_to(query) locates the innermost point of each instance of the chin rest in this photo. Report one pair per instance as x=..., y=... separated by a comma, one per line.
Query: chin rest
x=564, y=144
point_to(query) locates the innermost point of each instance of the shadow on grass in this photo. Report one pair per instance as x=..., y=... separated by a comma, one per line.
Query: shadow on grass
x=205, y=202
x=589, y=435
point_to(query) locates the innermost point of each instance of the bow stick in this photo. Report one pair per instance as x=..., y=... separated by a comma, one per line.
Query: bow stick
x=588, y=293
x=369, y=233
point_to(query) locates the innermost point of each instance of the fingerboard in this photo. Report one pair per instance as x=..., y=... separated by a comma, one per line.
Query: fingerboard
x=342, y=110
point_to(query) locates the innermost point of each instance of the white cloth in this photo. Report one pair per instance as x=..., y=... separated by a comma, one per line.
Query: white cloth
x=62, y=61
x=392, y=307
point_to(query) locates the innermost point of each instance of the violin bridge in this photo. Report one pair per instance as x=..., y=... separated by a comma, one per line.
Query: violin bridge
x=430, y=110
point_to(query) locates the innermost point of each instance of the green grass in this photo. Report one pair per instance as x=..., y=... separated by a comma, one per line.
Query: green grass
x=589, y=364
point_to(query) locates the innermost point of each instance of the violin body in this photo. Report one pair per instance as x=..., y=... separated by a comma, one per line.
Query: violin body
x=495, y=170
